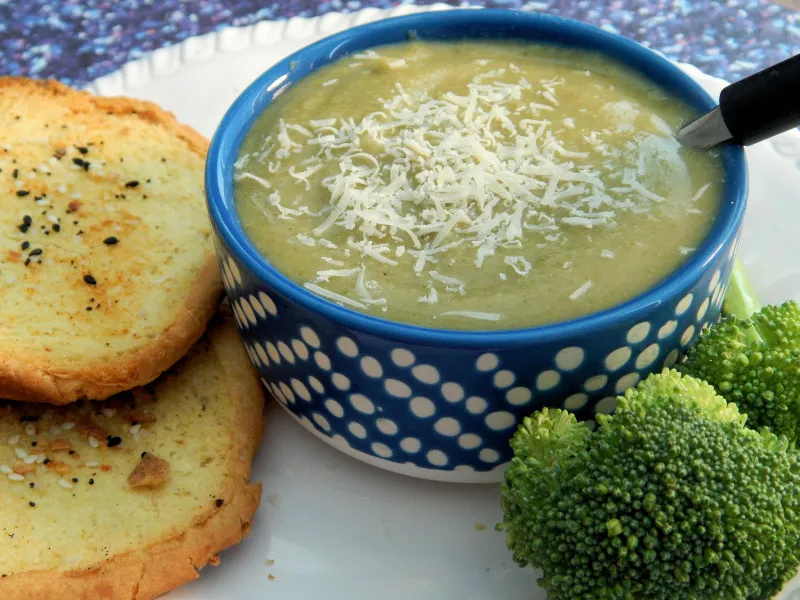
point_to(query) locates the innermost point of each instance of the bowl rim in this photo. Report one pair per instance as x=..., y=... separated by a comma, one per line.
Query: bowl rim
x=517, y=25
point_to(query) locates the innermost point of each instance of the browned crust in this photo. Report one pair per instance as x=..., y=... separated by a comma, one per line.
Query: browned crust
x=149, y=572
x=22, y=379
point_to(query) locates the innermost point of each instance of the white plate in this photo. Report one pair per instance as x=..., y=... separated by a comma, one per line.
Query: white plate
x=337, y=529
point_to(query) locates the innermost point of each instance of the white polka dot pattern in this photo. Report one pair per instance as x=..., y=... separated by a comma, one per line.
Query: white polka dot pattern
x=570, y=358
x=316, y=384
x=371, y=367
x=595, y=383
x=300, y=349
x=322, y=360
x=436, y=458
x=488, y=455
x=357, y=429
x=268, y=304
x=638, y=333
x=447, y=426
x=426, y=374
x=469, y=441
x=476, y=405
x=452, y=392
x=487, y=362
x=500, y=420
x=321, y=421
x=547, y=380
x=340, y=381
x=334, y=408
x=273, y=352
x=402, y=357
x=381, y=450
x=286, y=352
x=684, y=304
x=618, y=358
x=397, y=388
x=386, y=426
x=310, y=337
x=518, y=396
x=647, y=356
x=347, y=347
x=362, y=404
x=258, y=308
x=626, y=381
x=576, y=401
x=701, y=312
x=504, y=379
x=667, y=329
x=607, y=405
x=422, y=407
x=410, y=445
x=687, y=335
x=300, y=389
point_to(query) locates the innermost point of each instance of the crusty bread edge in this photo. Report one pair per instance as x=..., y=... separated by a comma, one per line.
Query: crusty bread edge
x=20, y=379
x=149, y=572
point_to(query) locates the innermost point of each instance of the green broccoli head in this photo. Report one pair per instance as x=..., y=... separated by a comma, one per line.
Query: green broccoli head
x=755, y=362
x=672, y=497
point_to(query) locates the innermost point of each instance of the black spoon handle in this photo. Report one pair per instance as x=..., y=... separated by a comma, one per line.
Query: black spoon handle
x=764, y=104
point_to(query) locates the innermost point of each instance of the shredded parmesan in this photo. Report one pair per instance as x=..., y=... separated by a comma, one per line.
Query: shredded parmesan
x=473, y=314
x=580, y=291
x=426, y=173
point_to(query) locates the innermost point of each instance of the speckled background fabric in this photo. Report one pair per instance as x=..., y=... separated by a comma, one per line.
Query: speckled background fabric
x=79, y=40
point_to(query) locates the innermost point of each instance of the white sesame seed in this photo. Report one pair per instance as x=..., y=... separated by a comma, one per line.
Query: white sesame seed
x=30, y=429
x=31, y=458
x=76, y=196
x=135, y=429
x=41, y=458
x=93, y=442
x=20, y=453
x=16, y=477
x=108, y=412
x=93, y=463
x=13, y=439
x=52, y=218
x=62, y=189
x=64, y=483
x=67, y=425
x=5, y=469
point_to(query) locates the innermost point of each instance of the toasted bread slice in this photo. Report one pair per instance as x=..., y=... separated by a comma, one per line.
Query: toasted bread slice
x=86, y=516
x=106, y=257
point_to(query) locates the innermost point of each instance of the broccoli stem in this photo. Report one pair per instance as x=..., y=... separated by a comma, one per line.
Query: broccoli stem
x=741, y=301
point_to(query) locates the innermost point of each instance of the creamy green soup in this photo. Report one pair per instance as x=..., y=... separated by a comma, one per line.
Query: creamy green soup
x=475, y=185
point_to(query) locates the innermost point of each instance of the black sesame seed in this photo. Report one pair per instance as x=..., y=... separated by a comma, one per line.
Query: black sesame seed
x=25, y=245
x=31, y=503
x=143, y=455
x=110, y=241
x=79, y=161
x=114, y=441
x=22, y=193
x=74, y=480
x=89, y=279
x=56, y=227
x=219, y=502
x=89, y=308
x=15, y=173
x=82, y=149
x=27, y=220
x=47, y=461
x=34, y=444
x=23, y=228
x=27, y=261
x=72, y=452
x=91, y=482
x=132, y=184
x=31, y=485
x=35, y=252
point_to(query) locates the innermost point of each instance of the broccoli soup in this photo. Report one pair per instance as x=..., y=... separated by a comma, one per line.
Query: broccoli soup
x=475, y=185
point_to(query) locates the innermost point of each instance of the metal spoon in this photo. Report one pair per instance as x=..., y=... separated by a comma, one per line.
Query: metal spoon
x=751, y=110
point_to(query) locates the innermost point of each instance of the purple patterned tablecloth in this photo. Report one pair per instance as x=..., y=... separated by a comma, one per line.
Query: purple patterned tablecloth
x=78, y=41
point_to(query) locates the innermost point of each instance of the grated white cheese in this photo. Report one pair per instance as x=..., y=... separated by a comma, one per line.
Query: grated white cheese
x=426, y=173
x=580, y=291
x=473, y=314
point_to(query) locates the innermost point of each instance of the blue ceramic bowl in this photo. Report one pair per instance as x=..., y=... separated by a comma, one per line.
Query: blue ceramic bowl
x=442, y=404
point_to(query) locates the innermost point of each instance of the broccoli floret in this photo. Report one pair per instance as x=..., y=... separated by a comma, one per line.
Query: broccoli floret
x=672, y=497
x=752, y=358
